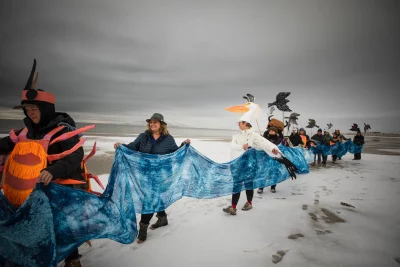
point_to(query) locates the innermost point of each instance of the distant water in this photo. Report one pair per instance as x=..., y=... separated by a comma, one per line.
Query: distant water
x=129, y=130
x=373, y=145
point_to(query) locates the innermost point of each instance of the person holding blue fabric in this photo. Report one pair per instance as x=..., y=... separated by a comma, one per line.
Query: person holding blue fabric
x=358, y=141
x=318, y=138
x=341, y=137
x=241, y=142
x=273, y=136
x=155, y=140
x=327, y=140
x=336, y=138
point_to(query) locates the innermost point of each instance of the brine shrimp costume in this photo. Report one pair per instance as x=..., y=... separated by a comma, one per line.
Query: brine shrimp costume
x=53, y=144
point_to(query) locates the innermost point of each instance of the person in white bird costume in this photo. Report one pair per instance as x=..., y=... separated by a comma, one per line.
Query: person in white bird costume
x=246, y=139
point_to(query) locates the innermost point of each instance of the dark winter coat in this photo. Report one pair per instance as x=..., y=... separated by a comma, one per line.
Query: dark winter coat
x=296, y=140
x=275, y=139
x=318, y=138
x=67, y=167
x=358, y=140
x=165, y=144
x=327, y=139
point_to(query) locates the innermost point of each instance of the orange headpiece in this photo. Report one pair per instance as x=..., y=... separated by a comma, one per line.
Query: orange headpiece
x=30, y=95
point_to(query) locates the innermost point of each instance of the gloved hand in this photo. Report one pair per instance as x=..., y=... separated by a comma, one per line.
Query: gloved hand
x=289, y=166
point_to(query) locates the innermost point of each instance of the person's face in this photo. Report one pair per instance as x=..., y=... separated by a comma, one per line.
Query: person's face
x=319, y=133
x=242, y=125
x=33, y=113
x=155, y=126
x=301, y=132
x=272, y=132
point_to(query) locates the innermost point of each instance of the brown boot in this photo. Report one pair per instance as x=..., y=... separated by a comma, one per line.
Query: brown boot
x=142, y=236
x=230, y=210
x=162, y=221
x=73, y=263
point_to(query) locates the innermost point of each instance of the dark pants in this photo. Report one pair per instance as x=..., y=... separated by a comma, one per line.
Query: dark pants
x=147, y=217
x=357, y=156
x=334, y=157
x=236, y=196
x=272, y=187
x=319, y=156
x=73, y=256
x=324, y=158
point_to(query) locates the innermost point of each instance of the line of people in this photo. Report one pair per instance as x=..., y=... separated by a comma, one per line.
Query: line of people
x=325, y=138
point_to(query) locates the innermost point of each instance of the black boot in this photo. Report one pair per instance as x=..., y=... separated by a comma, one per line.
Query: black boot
x=162, y=221
x=142, y=236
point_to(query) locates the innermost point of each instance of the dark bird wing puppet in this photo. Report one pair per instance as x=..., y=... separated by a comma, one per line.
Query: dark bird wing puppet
x=281, y=102
x=354, y=127
x=311, y=124
x=366, y=127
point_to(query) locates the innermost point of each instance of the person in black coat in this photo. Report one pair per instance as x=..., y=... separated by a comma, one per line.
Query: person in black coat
x=318, y=138
x=295, y=138
x=276, y=137
x=326, y=140
x=358, y=140
x=155, y=140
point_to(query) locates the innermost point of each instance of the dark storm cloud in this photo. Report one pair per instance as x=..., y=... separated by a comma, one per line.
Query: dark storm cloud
x=190, y=60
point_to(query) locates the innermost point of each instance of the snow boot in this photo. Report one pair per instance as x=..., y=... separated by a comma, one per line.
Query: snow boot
x=162, y=221
x=142, y=236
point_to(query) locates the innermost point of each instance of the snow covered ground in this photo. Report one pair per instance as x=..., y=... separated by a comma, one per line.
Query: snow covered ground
x=303, y=221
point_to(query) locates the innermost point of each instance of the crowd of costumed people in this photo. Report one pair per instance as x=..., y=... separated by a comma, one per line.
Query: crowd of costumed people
x=48, y=208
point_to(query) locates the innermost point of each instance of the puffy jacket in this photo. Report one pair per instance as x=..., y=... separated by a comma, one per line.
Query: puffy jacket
x=165, y=144
x=253, y=140
x=318, y=138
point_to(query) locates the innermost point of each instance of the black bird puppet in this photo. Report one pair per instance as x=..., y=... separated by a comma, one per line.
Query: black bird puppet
x=366, y=128
x=311, y=124
x=281, y=102
x=354, y=128
x=329, y=126
x=249, y=98
x=292, y=119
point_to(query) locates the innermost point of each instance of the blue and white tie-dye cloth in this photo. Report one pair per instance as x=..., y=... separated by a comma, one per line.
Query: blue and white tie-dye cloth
x=55, y=220
x=339, y=149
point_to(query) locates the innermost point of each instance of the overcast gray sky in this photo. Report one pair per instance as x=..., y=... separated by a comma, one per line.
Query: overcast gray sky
x=124, y=60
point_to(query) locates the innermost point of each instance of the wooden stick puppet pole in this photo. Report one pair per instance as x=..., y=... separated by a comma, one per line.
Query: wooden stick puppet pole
x=258, y=127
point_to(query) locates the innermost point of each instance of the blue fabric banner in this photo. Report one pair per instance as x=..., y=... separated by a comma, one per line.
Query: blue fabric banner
x=339, y=149
x=56, y=219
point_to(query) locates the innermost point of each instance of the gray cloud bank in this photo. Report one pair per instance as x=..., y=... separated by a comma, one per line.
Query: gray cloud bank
x=191, y=59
